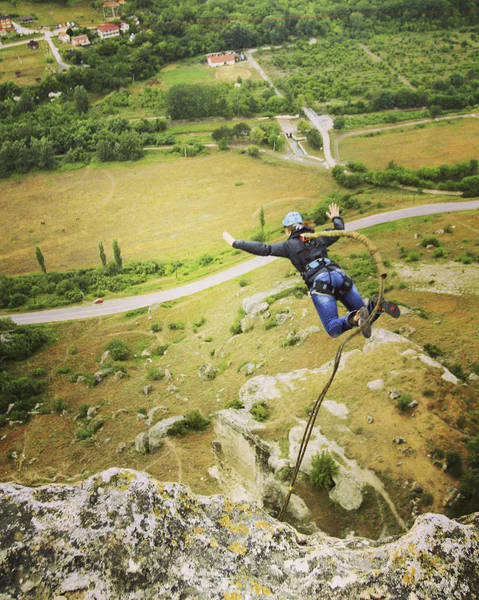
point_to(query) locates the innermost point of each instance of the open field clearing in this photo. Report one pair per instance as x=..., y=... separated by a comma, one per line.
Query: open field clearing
x=50, y=14
x=444, y=321
x=202, y=73
x=437, y=143
x=157, y=208
x=30, y=63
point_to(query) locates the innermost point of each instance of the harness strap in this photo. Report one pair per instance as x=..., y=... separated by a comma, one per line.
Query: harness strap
x=322, y=287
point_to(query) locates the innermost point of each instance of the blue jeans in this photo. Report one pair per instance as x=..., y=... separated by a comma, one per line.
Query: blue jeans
x=327, y=308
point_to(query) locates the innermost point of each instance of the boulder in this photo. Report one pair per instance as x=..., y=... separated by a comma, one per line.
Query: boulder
x=160, y=431
x=142, y=443
x=122, y=534
x=207, y=372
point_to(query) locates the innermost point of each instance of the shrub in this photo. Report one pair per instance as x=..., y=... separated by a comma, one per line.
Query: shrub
x=118, y=349
x=465, y=259
x=290, y=340
x=63, y=370
x=176, y=325
x=155, y=327
x=236, y=326
x=253, y=151
x=431, y=241
x=433, y=350
x=235, y=404
x=39, y=372
x=159, y=350
x=83, y=410
x=457, y=370
x=439, y=253
x=454, y=464
x=323, y=469
x=259, y=412
x=243, y=282
x=412, y=257
x=59, y=405
x=192, y=421
x=404, y=402
x=142, y=410
x=155, y=374
x=84, y=433
x=427, y=498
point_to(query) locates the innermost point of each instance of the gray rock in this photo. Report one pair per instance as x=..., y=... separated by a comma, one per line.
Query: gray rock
x=370, y=419
x=151, y=413
x=394, y=394
x=145, y=354
x=147, y=389
x=399, y=440
x=413, y=404
x=121, y=534
x=142, y=443
x=247, y=323
x=207, y=372
x=160, y=431
x=121, y=447
x=119, y=375
x=105, y=356
x=92, y=412
x=347, y=491
x=472, y=377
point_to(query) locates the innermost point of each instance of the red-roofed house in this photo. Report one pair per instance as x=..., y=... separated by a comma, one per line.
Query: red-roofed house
x=80, y=40
x=218, y=59
x=6, y=24
x=107, y=31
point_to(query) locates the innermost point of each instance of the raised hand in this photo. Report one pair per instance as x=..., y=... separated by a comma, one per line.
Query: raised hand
x=333, y=211
x=228, y=238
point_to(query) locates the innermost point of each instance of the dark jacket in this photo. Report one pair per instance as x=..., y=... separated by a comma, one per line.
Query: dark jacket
x=293, y=248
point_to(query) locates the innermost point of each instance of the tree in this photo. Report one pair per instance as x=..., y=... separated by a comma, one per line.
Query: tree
x=262, y=222
x=339, y=123
x=82, y=102
x=314, y=138
x=253, y=151
x=102, y=254
x=40, y=259
x=117, y=254
x=323, y=469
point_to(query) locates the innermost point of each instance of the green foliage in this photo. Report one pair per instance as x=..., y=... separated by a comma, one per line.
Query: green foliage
x=22, y=341
x=457, y=370
x=430, y=241
x=142, y=411
x=59, y=405
x=136, y=312
x=235, y=404
x=439, y=253
x=298, y=290
x=102, y=254
x=23, y=392
x=117, y=255
x=290, y=340
x=253, y=151
x=433, y=350
x=83, y=410
x=176, y=325
x=155, y=374
x=403, y=403
x=118, y=349
x=39, y=372
x=413, y=257
x=260, y=412
x=192, y=421
x=323, y=469
x=159, y=349
x=156, y=327
x=40, y=259
x=84, y=433
x=63, y=370
x=236, y=326
x=454, y=464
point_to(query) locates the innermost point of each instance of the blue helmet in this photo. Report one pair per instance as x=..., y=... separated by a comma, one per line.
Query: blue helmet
x=291, y=218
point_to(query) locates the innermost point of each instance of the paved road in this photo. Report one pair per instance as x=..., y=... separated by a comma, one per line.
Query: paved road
x=120, y=305
x=323, y=124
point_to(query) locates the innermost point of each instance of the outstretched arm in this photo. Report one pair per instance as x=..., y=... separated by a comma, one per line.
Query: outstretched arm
x=228, y=238
x=332, y=213
x=258, y=248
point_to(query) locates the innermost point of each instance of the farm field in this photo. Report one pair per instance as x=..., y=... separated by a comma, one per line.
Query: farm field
x=50, y=14
x=30, y=63
x=437, y=143
x=153, y=208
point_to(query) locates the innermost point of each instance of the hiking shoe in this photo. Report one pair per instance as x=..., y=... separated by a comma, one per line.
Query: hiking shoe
x=390, y=308
x=361, y=318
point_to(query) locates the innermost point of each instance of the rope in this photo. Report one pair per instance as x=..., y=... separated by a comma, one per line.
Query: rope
x=382, y=274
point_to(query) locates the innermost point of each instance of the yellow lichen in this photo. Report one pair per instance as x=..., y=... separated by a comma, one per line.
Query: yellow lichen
x=238, y=548
x=260, y=590
x=232, y=596
x=224, y=521
x=409, y=575
x=213, y=543
x=239, y=529
x=262, y=525
x=198, y=530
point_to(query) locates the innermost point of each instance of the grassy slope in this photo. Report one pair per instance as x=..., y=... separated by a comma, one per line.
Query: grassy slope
x=442, y=142
x=51, y=438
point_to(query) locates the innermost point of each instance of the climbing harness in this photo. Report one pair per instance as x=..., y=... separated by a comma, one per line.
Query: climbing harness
x=382, y=274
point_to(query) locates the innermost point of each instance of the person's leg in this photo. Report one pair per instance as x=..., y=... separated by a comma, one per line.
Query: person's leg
x=327, y=308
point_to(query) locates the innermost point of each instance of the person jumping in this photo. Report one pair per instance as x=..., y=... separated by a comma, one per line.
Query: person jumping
x=326, y=280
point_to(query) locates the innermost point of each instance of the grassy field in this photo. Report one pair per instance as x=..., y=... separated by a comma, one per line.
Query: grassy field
x=445, y=321
x=201, y=73
x=30, y=63
x=437, y=143
x=50, y=14
x=155, y=208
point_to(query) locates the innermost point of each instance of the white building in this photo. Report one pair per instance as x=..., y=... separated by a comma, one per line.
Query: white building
x=108, y=31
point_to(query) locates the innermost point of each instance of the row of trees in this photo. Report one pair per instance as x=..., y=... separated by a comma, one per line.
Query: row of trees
x=462, y=177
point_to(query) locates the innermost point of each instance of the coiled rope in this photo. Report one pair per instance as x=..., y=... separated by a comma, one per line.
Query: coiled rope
x=382, y=274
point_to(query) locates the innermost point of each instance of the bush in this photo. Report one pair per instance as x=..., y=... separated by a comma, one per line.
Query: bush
x=404, y=402
x=454, y=464
x=235, y=404
x=432, y=241
x=63, y=370
x=39, y=372
x=433, y=350
x=159, y=350
x=253, y=151
x=155, y=374
x=192, y=421
x=177, y=325
x=439, y=253
x=155, y=327
x=259, y=412
x=59, y=405
x=412, y=257
x=118, y=349
x=236, y=326
x=83, y=410
x=323, y=469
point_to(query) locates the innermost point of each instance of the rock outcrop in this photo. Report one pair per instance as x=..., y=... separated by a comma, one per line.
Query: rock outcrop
x=121, y=534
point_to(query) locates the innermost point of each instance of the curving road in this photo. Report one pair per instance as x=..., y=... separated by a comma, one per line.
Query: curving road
x=120, y=305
